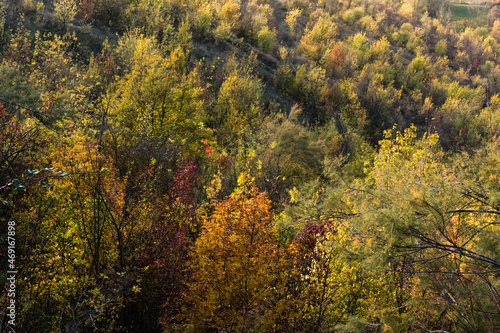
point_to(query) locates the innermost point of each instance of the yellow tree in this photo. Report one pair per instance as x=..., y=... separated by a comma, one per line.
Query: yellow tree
x=430, y=223
x=158, y=97
x=72, y=235
x=237, y=114
x=318, y=40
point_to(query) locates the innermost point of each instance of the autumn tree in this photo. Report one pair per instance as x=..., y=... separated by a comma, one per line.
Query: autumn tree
x=238, y=111
x=236, y=266
x=318, y=39
x=70, y=238
x=142, y=107
x=439, y=229
x=159, y=275
x=424, y=223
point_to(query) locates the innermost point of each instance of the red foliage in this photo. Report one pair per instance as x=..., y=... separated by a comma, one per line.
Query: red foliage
x=306, y=242
x=308, y=236
x=87, y=10
x=182, y=189
x=161, y=277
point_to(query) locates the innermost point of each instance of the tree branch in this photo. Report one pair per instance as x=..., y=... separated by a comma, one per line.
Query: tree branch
x=24, y=180
x=486, y=211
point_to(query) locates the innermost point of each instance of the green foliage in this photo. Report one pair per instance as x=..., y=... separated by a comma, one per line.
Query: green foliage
x=412, y=211
x=50, y=82
x=404, y=34
x=441, y=47
x=352, y=15
x=3, y=7
x=418, y=71
x=239, y=104
x=203, y=21
x=318, y=39
x=65, y=11
x=380, y=50
x=309, y=82
x=360, y=45
x=152, y=17
x=222, y=32
x=292, y=154
x=353, y=115
x=163, y=176
x=485, y=124
x=158, y=96
x=464, y=103
x=260, y=14
x=266, y=39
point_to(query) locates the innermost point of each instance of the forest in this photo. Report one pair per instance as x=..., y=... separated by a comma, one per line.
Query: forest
x=249, y=166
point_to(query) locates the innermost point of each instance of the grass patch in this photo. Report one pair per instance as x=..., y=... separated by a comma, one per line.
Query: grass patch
x=465, y=11
x=464, y=15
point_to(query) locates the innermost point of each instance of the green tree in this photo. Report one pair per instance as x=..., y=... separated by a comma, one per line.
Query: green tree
x=65, y=11
x=426, y=223
x=317, y=40
x=266, y=39
x=237, y=114
x=158, y=97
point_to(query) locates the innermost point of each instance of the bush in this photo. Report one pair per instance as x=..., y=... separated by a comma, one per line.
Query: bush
x=65, y=12
x=441, y=47
x=353, y=15
x=222, y=32
x=266, y=39
x=203, y=23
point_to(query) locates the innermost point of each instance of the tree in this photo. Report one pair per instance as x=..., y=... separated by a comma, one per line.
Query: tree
x=237, y=113
x=266, y=39
x=334, y=285
x=236, y=266
x=65, y=11
x=69, y=237
x=291, y=19
x=158, y=99
x=432, y=221
x=428, y=224
x=317, y=40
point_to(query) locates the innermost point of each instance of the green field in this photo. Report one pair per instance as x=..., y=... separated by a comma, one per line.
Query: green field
x=469, y=15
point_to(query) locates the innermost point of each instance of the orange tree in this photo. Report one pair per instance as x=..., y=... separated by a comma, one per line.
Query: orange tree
x=237, y=267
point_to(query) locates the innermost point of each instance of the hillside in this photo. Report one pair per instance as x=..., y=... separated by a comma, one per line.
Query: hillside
x=250, y=165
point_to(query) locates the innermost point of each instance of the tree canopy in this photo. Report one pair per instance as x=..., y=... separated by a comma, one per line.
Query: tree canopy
x=249, y=166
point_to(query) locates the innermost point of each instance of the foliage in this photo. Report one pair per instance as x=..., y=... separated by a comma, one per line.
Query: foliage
x=65, y=11
x=317, y=39
x=237, y=112
x=236, y=249
x=158, y=97
x=266, y=39
x=227, y=165
x=416, y=215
